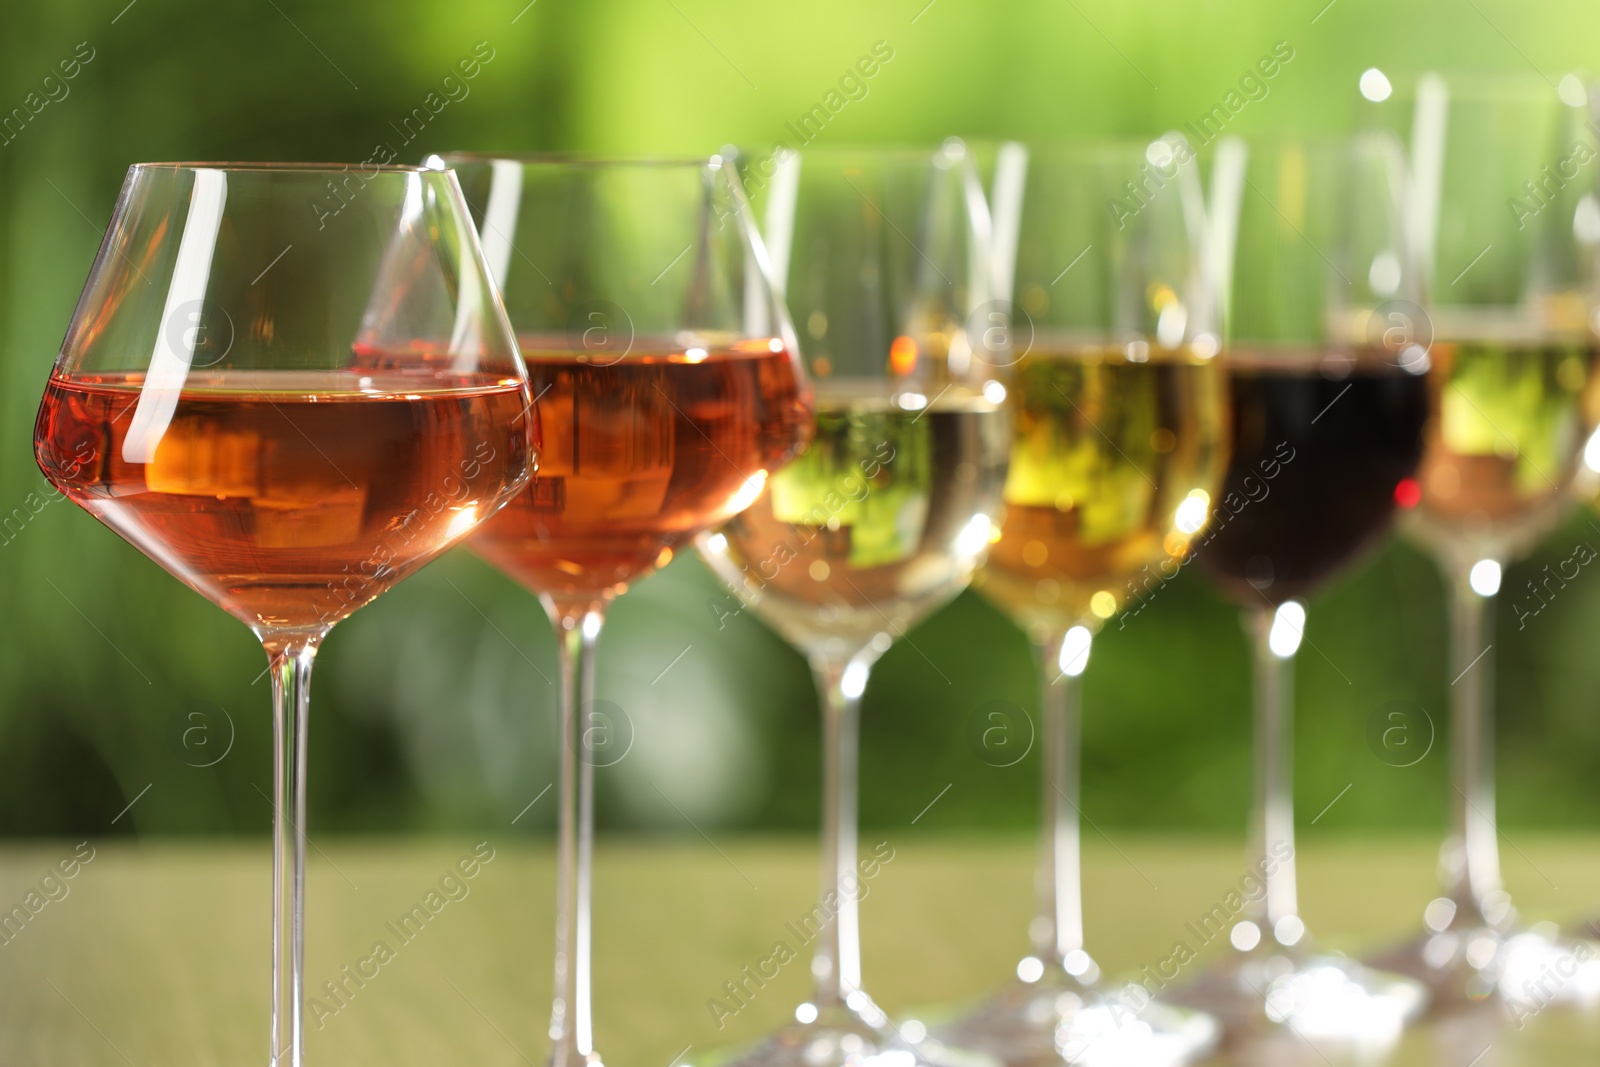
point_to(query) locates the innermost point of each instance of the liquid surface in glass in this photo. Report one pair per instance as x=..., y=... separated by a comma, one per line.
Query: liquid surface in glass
x=1115, y=460
x=638, y=455
x=1320, y=444
x=289, y=498
x=879, y=521
x=1509, y=422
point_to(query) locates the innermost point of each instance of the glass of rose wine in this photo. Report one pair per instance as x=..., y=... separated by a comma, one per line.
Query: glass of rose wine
x=1513, y=382
x=670, y=391
x=1118, y=402
x=291, y=386
x=886, y=261
x=1328, y=406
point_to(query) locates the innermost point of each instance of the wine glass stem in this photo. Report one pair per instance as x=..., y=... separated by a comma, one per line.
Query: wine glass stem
x=1058, y=929
x=290, y=666
x=1272, y=816
x=1472, y=854
x=837, y=966
x=571, y=1013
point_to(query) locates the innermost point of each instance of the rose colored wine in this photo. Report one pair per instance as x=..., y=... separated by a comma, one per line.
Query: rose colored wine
x=640, y=455
x=287, y=498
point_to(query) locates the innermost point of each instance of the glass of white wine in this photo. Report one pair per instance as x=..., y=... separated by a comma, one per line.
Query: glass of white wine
x=1118, y=447
x=885, y=258
x=1509, y=243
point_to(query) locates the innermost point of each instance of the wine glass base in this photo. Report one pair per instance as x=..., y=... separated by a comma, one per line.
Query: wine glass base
x=1529, y=969
x=851, y=1037
x=1060, y=1020
x=1312, y=996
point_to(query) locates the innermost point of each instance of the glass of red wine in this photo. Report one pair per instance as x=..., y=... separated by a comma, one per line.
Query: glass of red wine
x=291, y=386
x=669, y=390
x=1329, y=405
x=1510, y=248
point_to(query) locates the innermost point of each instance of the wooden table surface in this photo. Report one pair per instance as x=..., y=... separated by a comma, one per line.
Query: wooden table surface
x=155, y=954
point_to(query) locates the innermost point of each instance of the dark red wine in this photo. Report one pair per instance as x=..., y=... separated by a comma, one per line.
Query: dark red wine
x=1323, y=448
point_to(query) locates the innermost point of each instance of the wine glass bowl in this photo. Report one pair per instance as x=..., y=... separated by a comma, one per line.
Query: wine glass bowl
x=853, y=541
x=1335, y=437
x=289, y=385
x=249, y=430
x=1104, y=487
x=884, y=516
x=668, y=381
x=1328, y=415
x=641, y=455
x=1512, y=363
x=1492, y=492
x=1118, y=405
x=239, y=500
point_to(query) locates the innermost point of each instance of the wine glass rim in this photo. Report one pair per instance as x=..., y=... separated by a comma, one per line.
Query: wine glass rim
x=594, y=160
x=1316, y=141
x=285, y=167
x=890, y=150
x=1090, y=147
x=1480, y=86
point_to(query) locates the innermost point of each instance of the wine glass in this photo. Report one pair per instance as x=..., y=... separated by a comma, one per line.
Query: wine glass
x=291, y=386
x=670, y=391
x=885, y=258
x=1328, y=409
x=1506, y=230
x=1119, y=443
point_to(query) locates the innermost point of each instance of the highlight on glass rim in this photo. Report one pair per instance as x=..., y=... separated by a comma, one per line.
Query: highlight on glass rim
x=910, y=535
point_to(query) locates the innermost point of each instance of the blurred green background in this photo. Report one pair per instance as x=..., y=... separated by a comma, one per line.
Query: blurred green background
x=433, y=708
